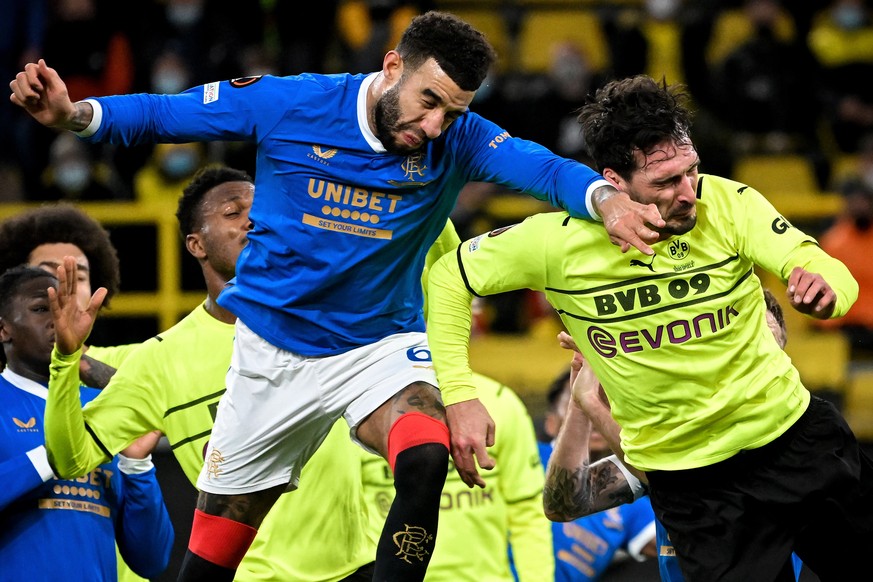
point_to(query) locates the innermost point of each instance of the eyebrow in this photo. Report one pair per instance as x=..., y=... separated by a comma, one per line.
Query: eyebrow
x=55, y=265
x=670, y=178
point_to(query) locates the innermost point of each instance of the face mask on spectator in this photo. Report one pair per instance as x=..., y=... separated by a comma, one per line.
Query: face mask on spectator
x=849, y=17
x=72, y=176
x=179, y=164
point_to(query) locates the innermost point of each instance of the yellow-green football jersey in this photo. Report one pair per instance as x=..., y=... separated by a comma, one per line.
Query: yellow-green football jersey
x=679, y=340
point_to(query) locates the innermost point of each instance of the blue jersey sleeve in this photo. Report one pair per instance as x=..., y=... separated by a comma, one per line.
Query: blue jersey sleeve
x=526, y=166
x=19, y=476
x=143, y=529
x=218, y=111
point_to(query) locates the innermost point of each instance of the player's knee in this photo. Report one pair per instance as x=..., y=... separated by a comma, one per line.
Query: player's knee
x=423, y=442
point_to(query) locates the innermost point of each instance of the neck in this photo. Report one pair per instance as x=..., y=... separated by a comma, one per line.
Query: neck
x=26, y=372
x=215, y=283
x=217, y=311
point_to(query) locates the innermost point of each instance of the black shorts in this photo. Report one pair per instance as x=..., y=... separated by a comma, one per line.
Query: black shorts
x=809, y=491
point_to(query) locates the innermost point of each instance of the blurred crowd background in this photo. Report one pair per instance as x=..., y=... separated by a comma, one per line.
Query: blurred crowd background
x=782, y=93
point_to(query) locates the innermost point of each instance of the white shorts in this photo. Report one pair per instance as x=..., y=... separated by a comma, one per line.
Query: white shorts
x=279, y=406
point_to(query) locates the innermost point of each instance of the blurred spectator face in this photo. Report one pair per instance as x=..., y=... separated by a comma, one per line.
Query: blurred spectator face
x=662, y=9
x=76, y=9
x=569, y=71
x=184, y=13
x=178, y=161
x=848, y=14
x=859, y=206
x=170, y=74
x=70, y=163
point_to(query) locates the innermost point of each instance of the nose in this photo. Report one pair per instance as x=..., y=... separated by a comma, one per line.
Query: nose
x=687, y=191
x=432, y=124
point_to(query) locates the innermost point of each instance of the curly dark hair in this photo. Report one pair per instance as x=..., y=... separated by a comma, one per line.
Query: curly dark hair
x=61, y=223
x=207, y=178
x=636, y=113
x=460, y=50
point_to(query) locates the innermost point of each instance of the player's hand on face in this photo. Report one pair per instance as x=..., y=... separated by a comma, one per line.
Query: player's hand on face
x=41, y=92
x=628, y=223
x=72, y=325
x=809, y=293
x=472, y=430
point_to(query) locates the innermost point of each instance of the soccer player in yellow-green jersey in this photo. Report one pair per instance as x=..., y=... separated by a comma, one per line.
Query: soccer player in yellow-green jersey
x=478, y=525
x=173, y=383
x=692, y=316
x=744, y=465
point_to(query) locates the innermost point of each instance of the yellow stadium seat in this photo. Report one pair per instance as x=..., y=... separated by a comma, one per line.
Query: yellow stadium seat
x=822, y=358
x=508, y=359
x=732, y=28
x=858, y=403
x=789, y=183
x=492, y=24
x=541, y=28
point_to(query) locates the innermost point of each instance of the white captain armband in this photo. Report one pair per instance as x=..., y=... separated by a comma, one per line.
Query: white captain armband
x=637, y=486
x=39, y=459
x=130, y=466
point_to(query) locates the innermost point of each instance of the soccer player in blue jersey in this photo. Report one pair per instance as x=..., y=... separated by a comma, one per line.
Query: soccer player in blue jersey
x=41, y=237
x=356, y=176
x=744, y=464
x=53, y=528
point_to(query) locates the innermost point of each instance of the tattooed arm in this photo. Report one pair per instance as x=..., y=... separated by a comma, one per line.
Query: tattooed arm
x=574, y=486
x=94, y=373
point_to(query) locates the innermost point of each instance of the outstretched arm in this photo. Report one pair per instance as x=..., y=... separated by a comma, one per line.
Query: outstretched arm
x=574, y=487
x=41, y=92
x=71, y=450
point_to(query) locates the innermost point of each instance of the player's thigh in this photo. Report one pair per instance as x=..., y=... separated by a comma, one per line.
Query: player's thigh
x=418, y=397
x=383, y=381
x=268, y=423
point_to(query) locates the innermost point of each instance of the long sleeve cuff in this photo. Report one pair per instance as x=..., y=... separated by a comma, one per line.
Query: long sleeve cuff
x=39, y=459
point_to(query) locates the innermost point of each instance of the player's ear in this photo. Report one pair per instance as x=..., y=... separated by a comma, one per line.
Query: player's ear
x=195, y=246
x=392, y=66
x=5, y=335
x=613, y=178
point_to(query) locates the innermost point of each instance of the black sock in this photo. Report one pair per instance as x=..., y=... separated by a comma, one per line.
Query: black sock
x=409, y=535
x=196, y=569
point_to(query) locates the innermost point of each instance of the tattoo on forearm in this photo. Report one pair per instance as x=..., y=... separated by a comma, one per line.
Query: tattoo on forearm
x=94, y=373
x=82, y=115
x=568, y=495
x=600, y=194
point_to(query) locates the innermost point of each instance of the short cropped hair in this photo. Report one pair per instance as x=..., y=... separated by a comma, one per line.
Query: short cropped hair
x=11, y=283
x=190, y=205
x=459, y=49
x=61, y=223
x=636, y=113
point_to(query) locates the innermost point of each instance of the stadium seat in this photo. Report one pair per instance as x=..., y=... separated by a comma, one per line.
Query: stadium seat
x=822, y=358
x=733, y=27
x=543, y=27
x=492, y=23
x=858, y=403
x=788, y=181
